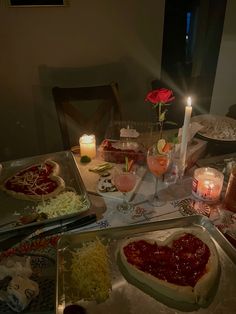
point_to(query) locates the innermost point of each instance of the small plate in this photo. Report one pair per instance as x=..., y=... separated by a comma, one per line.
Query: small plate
x=216, y=128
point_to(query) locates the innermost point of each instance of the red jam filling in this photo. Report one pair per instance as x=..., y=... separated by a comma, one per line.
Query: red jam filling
x=33, y=181
x=182, y=264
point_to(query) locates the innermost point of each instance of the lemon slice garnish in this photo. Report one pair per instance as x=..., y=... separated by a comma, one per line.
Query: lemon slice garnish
x=160, y=145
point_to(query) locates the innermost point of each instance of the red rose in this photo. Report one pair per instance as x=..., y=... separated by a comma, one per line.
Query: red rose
x=162, y=95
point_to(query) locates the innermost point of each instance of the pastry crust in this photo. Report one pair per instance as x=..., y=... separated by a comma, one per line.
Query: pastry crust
x=199, y=294
x=28, y=178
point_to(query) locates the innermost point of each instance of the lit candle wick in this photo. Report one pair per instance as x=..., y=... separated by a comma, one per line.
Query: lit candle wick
x=189, y=101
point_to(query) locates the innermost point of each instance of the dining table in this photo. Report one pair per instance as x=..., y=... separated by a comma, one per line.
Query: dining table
x=178, y=196
x=180, y=202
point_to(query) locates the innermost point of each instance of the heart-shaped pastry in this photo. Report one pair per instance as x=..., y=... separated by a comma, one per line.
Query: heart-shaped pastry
x=37, y=182
x=184, y=267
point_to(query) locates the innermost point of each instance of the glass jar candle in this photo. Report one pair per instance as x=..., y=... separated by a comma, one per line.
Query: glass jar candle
x=87, y=145
x=207, y=184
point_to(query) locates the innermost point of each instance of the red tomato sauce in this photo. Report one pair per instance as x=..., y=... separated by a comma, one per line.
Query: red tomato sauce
x=33, y=181
x=182, y=264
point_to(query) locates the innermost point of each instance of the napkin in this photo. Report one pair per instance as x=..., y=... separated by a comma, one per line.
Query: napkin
x=21, y=290
x=193, y=128
x=195, y=150
x=224, y=219
x=12, y=266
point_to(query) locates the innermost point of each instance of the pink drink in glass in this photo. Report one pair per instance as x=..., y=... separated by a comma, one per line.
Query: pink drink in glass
x=158, y=164
x=125, y=181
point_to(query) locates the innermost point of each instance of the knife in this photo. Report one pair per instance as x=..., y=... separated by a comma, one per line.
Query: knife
x=84, y=221
x=41, y=232
x=27, y=229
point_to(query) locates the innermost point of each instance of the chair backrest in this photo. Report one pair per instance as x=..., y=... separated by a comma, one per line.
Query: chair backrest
x=232, y=112
x=88, y=109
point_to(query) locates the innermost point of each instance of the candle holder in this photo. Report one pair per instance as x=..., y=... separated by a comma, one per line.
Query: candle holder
x=88, y=145
x=207, y=184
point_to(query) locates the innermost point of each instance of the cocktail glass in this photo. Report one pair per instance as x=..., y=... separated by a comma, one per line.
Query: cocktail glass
x=125, y=182
x=158, y=164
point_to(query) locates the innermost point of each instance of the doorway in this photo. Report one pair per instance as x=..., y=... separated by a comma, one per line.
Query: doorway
x=191, y=43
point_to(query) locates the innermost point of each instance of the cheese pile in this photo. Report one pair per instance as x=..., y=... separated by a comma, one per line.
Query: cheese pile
x=63, y=204
x=90, y=272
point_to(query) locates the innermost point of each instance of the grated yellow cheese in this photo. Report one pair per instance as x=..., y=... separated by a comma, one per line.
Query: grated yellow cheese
x=63, y=204
x=91, y=273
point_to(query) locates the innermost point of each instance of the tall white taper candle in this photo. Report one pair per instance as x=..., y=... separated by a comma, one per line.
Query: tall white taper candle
x=185, y=129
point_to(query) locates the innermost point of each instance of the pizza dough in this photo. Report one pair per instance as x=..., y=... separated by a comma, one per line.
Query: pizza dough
x=184, y=267
x=37, y=182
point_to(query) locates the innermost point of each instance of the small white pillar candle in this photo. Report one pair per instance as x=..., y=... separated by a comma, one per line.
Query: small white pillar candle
x=88, y=145
x=185, y=129
x=207, y=184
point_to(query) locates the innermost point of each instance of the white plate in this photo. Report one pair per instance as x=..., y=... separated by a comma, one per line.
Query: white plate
x=219, y=128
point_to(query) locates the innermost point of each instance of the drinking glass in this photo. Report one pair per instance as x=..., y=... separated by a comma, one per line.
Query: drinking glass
x=124, y=182
x=158, y=165
x=230, y=195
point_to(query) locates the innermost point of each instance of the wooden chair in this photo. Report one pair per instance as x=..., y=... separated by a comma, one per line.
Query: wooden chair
x=89, y=108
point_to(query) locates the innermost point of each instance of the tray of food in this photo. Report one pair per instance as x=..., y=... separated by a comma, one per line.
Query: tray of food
x=117, y=150
x=216, y=128
x=40, y=189
x=178, y=265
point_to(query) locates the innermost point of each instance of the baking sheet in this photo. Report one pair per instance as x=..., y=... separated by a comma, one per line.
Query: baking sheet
x=127, y=298
x=11, y=208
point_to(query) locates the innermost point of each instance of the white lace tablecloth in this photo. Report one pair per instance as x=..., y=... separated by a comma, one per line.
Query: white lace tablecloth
x=179, y=202
x=143, y=212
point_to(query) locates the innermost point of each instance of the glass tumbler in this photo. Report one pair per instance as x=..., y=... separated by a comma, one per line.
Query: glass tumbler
x=230, y=195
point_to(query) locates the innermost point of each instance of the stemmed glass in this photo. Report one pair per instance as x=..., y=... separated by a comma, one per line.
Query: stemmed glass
x=158, y=164
x=125, y=182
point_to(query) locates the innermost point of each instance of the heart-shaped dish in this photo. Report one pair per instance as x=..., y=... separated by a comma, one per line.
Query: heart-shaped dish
x=184, y=267
x=36, y=182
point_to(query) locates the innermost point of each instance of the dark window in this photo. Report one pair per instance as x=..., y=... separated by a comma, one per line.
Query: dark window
x=36, y=2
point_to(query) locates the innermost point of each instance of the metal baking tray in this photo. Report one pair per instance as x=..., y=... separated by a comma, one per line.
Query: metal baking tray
x=10, y=206
x=127, y=298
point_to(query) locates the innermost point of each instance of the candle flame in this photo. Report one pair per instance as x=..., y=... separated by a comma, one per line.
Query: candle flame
x=87, y=139
x=189, y=101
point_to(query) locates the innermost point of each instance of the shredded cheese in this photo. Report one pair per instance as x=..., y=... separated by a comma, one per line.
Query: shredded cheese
x=63, y=204
x=91, y=279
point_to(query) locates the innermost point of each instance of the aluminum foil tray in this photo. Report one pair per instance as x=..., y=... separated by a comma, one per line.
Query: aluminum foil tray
x=10, y=206
x=127, y=298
